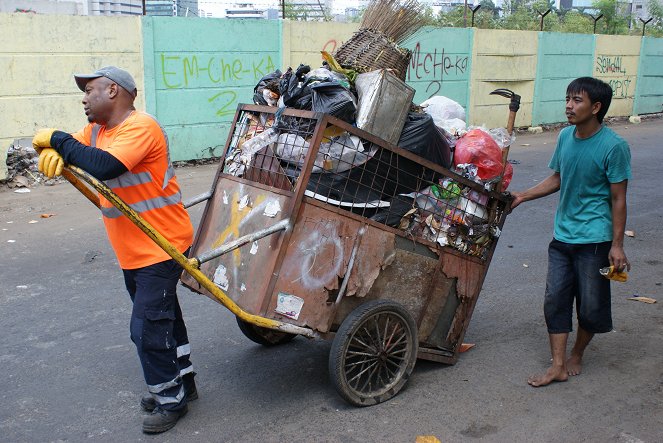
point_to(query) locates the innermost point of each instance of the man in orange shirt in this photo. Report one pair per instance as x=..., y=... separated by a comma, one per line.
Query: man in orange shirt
x=128, y=149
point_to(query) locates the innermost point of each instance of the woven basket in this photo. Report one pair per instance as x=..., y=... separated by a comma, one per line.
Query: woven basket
x=368, y=50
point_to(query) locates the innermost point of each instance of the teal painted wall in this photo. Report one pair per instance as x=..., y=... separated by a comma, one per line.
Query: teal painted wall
x=441, y=64
x=561, y=58
x=199, y=70
x=649, y=86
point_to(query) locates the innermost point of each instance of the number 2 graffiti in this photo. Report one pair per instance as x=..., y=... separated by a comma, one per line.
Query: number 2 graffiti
x=225, y=99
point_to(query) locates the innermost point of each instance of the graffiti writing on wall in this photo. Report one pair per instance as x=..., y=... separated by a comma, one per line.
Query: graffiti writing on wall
x=436, y=67
x=330, y=46
x=208, y=70
x=608, y=65
x=618, y=79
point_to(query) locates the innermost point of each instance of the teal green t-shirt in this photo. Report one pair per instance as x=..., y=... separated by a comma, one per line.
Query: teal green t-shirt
x=587, y=167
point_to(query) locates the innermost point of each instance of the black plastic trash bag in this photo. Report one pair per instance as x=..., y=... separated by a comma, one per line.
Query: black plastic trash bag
x=391, y=216
x=258, y=97
x=294, y=91
x=420, y=136
x=386, y=175
x=334, y=99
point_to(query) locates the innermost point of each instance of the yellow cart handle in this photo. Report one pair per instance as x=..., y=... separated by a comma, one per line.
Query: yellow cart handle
x=74, y=174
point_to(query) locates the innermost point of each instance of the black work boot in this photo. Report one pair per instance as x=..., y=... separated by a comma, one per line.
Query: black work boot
x=161, y=420
x=148, y=403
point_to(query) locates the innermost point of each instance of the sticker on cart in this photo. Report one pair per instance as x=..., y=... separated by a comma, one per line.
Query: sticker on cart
x=254, y=248
x=225, y=197
x=220, y=278
x=289, y=305
x=272, y=208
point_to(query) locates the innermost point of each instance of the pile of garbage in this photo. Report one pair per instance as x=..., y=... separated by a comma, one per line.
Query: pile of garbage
x=351, y=172
x=360, y=175
x=22, y=171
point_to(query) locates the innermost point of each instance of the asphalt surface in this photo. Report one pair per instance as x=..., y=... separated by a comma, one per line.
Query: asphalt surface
x=71, y=372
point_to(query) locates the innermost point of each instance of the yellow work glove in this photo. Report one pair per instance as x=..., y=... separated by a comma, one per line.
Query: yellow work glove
x=50, y=163
x=42, y=139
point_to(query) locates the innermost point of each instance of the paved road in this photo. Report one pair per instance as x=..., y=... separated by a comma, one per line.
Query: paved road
x=71, y=373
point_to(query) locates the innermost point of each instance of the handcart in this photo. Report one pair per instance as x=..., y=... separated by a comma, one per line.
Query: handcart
x=313, y=227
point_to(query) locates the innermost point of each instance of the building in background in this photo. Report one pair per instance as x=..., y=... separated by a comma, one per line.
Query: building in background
x=180, y=8
x=165, y=8
x=172, y=8
x=70, y=7
x=115, y=7
x=245, y=10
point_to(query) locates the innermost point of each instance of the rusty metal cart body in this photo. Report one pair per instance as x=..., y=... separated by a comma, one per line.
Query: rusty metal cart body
x=302, y=237
x=333, y=266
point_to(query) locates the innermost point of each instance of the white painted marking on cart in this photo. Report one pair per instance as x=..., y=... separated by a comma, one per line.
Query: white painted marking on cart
x=314, y=274
x=225, y=197
x=272, y=208
x=220, y=278
x=254, y=248
x=243, y=203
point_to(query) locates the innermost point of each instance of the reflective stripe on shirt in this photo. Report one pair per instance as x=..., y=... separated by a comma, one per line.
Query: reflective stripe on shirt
x=145, y=205
x=129, y=179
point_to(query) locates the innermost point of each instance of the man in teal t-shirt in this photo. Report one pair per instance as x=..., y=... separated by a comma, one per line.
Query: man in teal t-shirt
x=591, y=168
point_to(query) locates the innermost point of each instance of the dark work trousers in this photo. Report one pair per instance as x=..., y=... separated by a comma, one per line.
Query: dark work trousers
x=158, y=331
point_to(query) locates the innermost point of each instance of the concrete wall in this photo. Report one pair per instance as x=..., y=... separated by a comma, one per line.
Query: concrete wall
x=441, y=64
x=197, y=71
x=40, y=54
x=192, y=73
x=649, y=91
x=616, y=62
x=561, y=58
x=502, y=59
x=303, y=41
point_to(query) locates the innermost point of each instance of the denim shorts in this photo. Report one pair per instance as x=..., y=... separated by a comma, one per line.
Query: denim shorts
x=573, y=274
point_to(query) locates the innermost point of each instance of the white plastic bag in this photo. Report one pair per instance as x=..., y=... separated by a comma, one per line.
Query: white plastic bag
x=292, y=148
x=341, y=154
x=502, y=137
x=255, y=144
x=443, y=109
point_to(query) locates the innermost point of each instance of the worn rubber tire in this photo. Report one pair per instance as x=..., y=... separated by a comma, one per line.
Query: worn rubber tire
x=263, y=336
x=388, y=350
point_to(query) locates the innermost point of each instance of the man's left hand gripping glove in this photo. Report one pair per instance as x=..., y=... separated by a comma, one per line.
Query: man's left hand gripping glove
x=50, y=163
x=42, y=139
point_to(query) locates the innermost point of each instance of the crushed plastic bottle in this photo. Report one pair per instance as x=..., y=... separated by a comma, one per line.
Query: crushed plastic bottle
x=611, y=273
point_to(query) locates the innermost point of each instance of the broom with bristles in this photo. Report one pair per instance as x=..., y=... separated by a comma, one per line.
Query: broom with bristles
x=396, y=19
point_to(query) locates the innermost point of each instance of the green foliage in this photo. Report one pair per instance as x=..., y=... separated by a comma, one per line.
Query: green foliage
x=614, y=19
x=429, y=16
x=453, y=18
x=305, y=13
x=654, y=27
x=487, y=6
x=525, y=15
x=522, y=18
x=576, y=22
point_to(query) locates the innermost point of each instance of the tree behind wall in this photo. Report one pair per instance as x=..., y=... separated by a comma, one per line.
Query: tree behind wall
x=615, y=16
x=655, y=9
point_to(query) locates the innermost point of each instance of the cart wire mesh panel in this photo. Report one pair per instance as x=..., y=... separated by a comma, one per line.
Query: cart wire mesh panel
x=410, y=190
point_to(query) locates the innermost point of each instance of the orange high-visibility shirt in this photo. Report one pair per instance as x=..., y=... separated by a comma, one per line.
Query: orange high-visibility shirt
x=149, y=187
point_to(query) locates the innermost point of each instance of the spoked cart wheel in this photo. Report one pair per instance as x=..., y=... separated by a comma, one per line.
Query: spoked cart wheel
x=263, y=336
x=373, y=353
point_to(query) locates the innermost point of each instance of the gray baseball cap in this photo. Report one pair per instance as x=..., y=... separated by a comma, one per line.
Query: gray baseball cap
x=119, y=76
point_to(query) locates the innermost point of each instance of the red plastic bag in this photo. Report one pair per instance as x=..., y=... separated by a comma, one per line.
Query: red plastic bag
x=479, y=148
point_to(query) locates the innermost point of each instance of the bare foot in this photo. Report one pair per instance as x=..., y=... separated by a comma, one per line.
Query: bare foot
x=554, y=373
x=574, y=365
